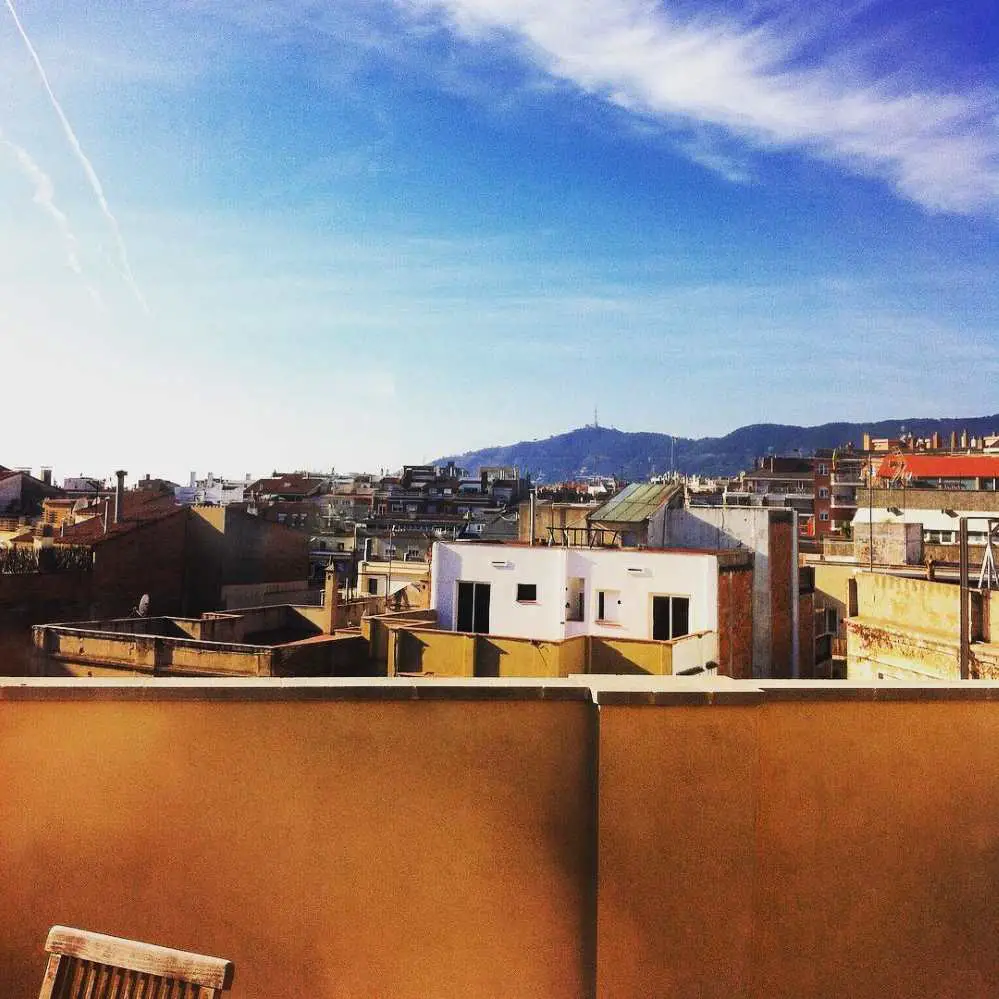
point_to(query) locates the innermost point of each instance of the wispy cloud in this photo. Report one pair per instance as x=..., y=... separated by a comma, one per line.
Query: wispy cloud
x=763, y=81
x=44, y=197
x=82, y=158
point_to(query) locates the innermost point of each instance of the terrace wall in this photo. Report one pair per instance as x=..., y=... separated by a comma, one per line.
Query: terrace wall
x=422, y=838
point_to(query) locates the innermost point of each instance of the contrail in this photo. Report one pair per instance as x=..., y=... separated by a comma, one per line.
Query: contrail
x=44, y=197
x=88, y=168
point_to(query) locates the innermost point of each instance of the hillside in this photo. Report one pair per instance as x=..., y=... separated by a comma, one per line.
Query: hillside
x=605, y=451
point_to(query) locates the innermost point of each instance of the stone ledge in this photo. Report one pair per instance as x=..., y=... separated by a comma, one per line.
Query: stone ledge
x=605, y=691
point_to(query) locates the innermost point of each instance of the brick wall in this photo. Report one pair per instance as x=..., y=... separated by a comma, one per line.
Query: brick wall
x=147, y=560
x=806, y=635
x=233, y=548
x=735, y=622
x=783, y=575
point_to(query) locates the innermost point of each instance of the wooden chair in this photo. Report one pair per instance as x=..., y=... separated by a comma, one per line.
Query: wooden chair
x=86, y=965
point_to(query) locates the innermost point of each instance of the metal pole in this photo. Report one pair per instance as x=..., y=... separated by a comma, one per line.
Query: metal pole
x=965, y=653
x=870, y=514
x=388, y=584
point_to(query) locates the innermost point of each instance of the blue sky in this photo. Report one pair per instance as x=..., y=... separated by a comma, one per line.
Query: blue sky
x=355, y=234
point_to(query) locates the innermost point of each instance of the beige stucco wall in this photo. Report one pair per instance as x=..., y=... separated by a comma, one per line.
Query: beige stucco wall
x=916, y=603
x=354, y=848
x=410, y=840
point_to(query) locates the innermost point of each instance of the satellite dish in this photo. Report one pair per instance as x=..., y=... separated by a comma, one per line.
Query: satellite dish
x=143, y=607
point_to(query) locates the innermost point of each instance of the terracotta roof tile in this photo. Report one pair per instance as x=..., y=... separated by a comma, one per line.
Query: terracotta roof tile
x=139, y=508
x=944, y=466
x=294, y=484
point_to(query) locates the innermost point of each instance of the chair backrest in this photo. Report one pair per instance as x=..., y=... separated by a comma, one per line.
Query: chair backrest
x=85, y=965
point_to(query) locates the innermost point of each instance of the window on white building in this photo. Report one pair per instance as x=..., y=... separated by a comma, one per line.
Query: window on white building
x=670, y=617
x=608, y=606
x=575, y=605
x=473, y=607
x=527, y=593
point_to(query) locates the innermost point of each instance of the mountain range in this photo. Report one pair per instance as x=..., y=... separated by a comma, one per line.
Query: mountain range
x=595, y=450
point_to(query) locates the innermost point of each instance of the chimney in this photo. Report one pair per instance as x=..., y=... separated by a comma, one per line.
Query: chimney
x=953, y=440
x=194, y=480
x=330, y=600
x=935, y=441
x=964, y=438
x=47, y=476
x=119, y=496
x=866, y=443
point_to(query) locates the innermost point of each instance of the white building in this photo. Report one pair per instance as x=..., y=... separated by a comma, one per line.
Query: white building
x=212, y=491
x=553, y=593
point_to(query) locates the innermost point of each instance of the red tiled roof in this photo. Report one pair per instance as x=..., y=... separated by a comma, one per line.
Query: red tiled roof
x=293, y=484
x=942, y=466
x=140, y=508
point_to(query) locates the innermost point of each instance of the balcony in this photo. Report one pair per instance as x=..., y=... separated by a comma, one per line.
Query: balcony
x=615, y=837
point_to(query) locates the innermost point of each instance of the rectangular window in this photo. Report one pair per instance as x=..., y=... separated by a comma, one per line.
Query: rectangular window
x=823, y=493
x=373, y=586
x=575, y=602
x=824, y=515
x=473, y=608
x=527, y=593
x=670, y=618
x=608, y=605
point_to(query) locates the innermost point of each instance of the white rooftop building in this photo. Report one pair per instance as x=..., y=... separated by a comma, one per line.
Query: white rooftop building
x=554, y=593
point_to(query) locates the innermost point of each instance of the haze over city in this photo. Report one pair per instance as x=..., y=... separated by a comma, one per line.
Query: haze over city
x=301, y=234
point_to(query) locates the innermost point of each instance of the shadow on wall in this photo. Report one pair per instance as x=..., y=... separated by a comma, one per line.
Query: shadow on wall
x=410, y=652
x=488, y=658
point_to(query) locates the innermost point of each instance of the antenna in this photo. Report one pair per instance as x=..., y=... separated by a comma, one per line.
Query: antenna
x=596, y=422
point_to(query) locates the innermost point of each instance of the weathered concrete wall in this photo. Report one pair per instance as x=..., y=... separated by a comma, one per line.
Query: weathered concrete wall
x=546, y=514
x=891, y=544
x=914, y=603
x=735, y=527
x=910, y=629
x=984, y=500
x=237, y=596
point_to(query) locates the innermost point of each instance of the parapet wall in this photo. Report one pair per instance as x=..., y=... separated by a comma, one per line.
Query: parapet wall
x=628, y=837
